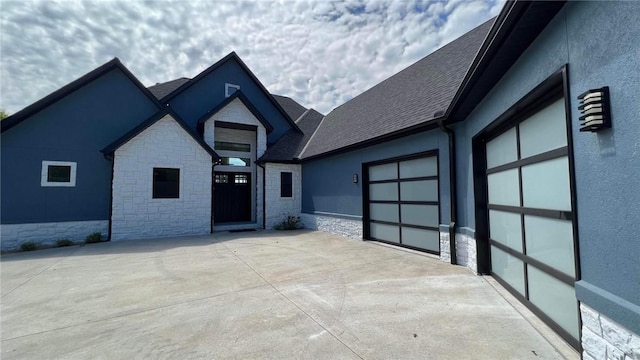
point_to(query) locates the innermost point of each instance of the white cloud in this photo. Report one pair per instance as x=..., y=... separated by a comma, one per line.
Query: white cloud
x=319, y=53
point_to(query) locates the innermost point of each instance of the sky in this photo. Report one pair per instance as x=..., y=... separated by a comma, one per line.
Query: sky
x=319, y=53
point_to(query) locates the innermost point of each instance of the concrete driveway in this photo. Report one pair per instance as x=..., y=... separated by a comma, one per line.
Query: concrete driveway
x=254, y=295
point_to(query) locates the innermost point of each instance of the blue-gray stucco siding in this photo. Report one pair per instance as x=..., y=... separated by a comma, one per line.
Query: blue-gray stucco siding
x=73, y=129
x=328, y=182
x=202, y=96
x=599, y=42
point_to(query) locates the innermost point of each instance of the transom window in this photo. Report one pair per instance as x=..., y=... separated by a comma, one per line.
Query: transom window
x=230, y=146
x=235, y=161
x=58, y=173
x=166, y=183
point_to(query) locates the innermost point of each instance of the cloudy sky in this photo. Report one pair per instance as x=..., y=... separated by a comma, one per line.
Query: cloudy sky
x=320, y=53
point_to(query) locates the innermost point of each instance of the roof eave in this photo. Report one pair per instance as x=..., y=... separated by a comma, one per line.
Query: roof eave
x=487, y=67
x=71, y=87
x=424, y=126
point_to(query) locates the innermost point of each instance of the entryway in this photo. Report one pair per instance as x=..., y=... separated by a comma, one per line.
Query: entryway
x=232, y=197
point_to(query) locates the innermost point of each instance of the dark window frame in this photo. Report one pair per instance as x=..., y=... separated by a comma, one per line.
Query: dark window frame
x=286, y=184
x=167, y=189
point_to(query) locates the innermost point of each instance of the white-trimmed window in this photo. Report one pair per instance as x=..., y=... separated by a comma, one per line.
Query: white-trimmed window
x=58, y=173
x=229, y=89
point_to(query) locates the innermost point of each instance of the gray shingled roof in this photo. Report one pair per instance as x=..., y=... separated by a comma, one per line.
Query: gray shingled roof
x=291, y=144
x=290, y=106
x=408, y=98
x=166, y=88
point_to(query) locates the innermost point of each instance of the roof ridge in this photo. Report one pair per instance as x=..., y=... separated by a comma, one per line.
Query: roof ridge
x=311, y=138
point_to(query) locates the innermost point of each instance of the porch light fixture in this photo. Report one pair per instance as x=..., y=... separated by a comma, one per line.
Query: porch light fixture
x=595, y=110
x=355, y=178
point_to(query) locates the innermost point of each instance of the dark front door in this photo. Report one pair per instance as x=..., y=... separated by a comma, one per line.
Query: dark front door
x=232, y=197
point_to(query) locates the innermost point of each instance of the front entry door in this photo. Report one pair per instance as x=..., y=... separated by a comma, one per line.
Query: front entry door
x=232, y=197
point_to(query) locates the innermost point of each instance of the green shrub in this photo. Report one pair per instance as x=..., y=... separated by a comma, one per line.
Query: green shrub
x=64, y=242
x=28, y=246
x=95, y=237
x=291, y=223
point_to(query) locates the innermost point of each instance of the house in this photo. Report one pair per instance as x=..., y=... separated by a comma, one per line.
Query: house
x=512, y=150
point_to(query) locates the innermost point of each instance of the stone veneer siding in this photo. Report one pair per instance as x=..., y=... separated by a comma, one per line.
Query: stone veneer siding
x=347, y=226
x=603, y=338
x=13, y=235
x=466, y=252
x=279, y=208
x=135, y=214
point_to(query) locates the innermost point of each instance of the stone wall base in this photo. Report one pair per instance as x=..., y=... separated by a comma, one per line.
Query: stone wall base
x=351, y=228
x=13, y=235
x=603, y=338
x=465, y=249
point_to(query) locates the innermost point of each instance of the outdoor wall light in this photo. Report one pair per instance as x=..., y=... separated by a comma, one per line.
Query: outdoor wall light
x=355, y=178
x=595, y=110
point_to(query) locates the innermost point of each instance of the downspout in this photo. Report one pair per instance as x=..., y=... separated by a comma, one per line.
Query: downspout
x=264, y=196
x=452, y=188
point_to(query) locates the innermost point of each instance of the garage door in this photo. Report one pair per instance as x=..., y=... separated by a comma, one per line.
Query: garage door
x=401, y=202
x=531, y=230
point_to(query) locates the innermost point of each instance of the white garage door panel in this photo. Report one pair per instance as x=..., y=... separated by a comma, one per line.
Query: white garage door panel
x=385, y=232
x=555, y=298
x=384, y=192
x=506, y=228
x=503, y=149
x=384, y=212
x=543, y=132
x=504, y=188
x=508, y=268
x=419, y=168
x=424, y=190
x=551, y=241
x=383, y=172
x=424, y=239
x=422, y=215
x=545, y=185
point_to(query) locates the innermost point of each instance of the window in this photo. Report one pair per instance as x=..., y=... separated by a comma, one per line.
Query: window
x=229, y=89
x=166, y=183
x=58, y=173
x=223, y=145
x=241, y=179
x=222, y=179
x=286, y=184
x=234, y=161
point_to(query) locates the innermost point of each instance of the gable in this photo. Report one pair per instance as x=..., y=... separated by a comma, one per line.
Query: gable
x=87, y=118
x=164, y=133
x=160, y=116
x=195, y=98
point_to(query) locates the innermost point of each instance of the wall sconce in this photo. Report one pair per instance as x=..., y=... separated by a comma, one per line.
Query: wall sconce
x=355, y=178
x=595, y=110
